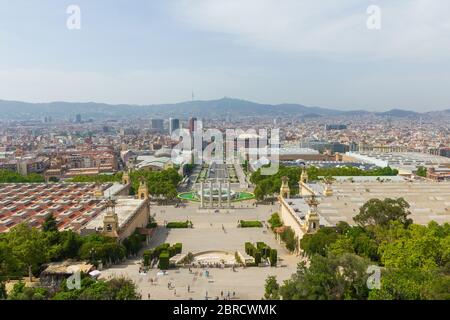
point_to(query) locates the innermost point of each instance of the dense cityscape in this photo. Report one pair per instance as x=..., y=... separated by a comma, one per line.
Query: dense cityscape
x=108, y=197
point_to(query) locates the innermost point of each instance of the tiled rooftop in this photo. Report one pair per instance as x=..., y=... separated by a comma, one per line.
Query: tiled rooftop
x=72, y=204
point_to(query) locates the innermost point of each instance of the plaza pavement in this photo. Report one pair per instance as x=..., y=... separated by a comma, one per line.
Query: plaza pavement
x=207, y=234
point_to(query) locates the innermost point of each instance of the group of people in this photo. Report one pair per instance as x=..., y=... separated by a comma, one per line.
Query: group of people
x=223, y=296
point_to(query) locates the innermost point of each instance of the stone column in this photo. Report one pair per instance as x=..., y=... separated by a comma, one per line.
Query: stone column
x=220, y=194
x=211, y=193
x=229, y=194
x=202, y=196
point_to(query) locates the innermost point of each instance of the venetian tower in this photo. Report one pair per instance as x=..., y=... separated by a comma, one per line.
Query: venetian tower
x=111, y=220
x=285, y=192
x=143, y=189
x=312, y=223
x=328, y=191
x=98, y=192
x=304, y=176
x=126, y=178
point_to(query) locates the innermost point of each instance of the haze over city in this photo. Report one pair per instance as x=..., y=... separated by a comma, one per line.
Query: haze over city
x=153, y=52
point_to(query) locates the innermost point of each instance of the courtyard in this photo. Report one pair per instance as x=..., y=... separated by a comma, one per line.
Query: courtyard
x=213, y=231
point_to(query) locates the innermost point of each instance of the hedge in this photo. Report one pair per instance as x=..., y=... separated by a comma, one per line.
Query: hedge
x=273, y=257
x=261, y=250
x=250, y=249
x=179, y=225
x=257, y=257
x=178, y=248
x=251, y=224
x=149, y=255
x=164, y=260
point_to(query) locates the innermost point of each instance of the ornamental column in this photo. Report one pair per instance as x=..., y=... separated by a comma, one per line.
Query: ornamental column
x=229, y=194
x=220, y=194
x=211, y=193
x=202, y=195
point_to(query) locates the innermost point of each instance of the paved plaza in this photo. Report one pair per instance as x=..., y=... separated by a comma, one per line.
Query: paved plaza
x=212, y=231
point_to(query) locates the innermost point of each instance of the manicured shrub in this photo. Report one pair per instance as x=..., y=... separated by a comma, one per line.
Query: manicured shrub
x=257, y=257
x=157, y=251
x=171, y=251
x=178, y=248
x=250, y=249
x=273, y=257
x=260, y=245
x=179, y=225
x=251, y=224
x=266, y=252
x=164, y=260
x=147, y=255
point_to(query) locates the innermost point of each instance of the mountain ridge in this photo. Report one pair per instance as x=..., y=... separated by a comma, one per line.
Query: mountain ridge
x=219, y=108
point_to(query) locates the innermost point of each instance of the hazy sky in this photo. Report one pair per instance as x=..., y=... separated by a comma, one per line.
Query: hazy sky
x=318, y=53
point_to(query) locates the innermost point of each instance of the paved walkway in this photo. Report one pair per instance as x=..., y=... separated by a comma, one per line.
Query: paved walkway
x=207, y=234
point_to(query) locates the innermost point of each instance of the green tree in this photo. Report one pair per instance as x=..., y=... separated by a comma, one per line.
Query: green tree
x=289, y=239
x=112, y=289
x=411, y=284
x=100, y=178
x=318, y=243
x=328, y=278
x=417, y=247
x=7, y=176
x=271, y=289
x=9, y=264
x=275, y=221
x=28, y=246
x=382, y=212
x=21, y=292
x=421, y=171
x=50, y=224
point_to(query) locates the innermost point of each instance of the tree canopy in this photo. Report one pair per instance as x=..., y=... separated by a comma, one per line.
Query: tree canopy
x=7, y=176
x=382, y=212
x=414, y=259
x=269, y=185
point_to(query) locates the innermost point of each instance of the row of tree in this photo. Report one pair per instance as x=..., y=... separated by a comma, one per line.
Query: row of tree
x=7, y=176
x=160, y=183
x=413, y=260
x=270, y=185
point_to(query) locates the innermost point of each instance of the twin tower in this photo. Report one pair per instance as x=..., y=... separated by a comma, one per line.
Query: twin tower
x=304, y=189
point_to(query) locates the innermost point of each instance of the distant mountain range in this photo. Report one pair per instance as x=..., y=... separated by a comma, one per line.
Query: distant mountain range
x=212, y=109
